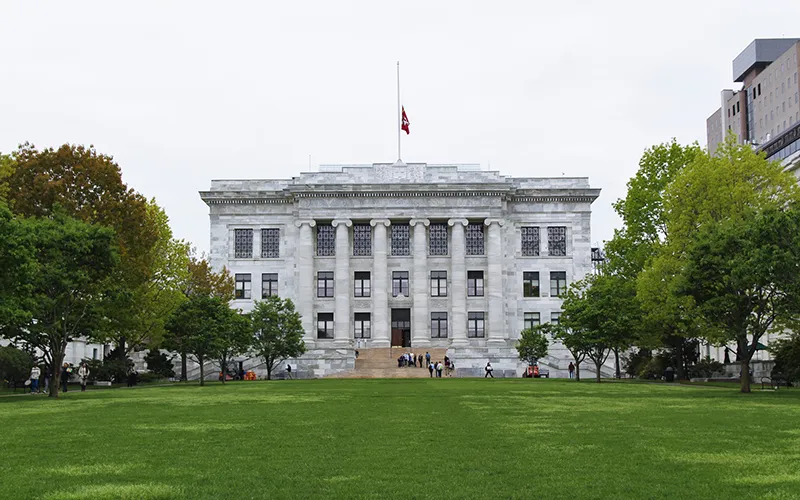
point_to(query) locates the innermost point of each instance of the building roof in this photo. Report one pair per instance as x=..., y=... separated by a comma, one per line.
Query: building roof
x=761, y=51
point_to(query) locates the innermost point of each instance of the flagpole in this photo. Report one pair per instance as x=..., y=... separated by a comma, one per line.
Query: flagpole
x=399, y=113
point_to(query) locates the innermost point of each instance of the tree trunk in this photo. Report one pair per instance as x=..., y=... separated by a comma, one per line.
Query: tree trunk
x=55, y=380
x=577, y=371
x=745, y=378
x=223, y=365
x=183, y=367
x=597, y=365
x=121, y=347
x=269, y=371
x=616, y=358
x=679, y=363
x=202, y=371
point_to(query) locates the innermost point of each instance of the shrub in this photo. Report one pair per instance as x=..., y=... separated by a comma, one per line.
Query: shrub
x=705, y=368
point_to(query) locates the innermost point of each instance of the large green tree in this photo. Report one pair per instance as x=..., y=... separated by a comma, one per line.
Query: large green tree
x=532, y=344
x=15, y=365
x=277, y=331
x=577, y=343
x=235, y=339
x=743, y=275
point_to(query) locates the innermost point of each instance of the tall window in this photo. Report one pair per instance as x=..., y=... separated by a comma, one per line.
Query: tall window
x=326, y=241
x=270, y=243
x=557, y=241
x=243, y=286
x=243, y=243
x=325, y=284
x=532, y=320
x=437, y=239
x=474, y=239
x=439, y=325
x=269, y=285
x=558, y=283
x=400, y=283
x=530, y=241
x=438, y=283
x=400, y=239
x=362, y=240
x=530, y=284
x=476, y=326
x=362, y=286
x=474, y=283
x=555, y=317
x=361, y=326
x=324, y=325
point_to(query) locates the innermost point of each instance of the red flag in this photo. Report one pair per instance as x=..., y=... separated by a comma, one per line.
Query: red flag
x=405, y=122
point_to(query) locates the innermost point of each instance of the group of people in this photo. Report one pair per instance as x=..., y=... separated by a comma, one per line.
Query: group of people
x=66, y=373
x=409, y=359
x=437, y=367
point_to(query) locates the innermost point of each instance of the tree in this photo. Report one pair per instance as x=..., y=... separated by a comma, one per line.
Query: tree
x=7, y=167
x=575, y=342
x=234, y=339
x=197, y=327
x=277, y=331
x=742, y=273
x=601, y=313
x=532, y=343
x=72, y=264
x=15, y=365
x=159, y=363
x=786, y=353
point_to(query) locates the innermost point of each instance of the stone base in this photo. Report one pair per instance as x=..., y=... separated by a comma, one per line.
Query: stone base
x=317, y=363
x=471, y=361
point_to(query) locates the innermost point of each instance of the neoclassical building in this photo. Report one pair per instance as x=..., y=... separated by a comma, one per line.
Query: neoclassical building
x=415, y=255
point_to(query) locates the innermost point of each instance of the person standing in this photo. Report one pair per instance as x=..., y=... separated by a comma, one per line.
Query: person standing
x=571, y=369
x=488, y=370
x=83, y=375
x=48, y=374
x=430, y=369
x=65, y=372
x=35, y=373
x=439, y=368
x=427, y=358
x=288, y=371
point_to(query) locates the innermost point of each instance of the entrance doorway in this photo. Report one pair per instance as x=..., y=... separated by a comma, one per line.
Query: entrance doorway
x=401, y=327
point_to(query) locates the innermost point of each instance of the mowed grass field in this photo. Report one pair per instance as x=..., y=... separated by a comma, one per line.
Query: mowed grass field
x=442, y=439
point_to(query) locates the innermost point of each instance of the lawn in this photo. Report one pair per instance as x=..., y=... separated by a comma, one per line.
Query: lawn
x=441, y=439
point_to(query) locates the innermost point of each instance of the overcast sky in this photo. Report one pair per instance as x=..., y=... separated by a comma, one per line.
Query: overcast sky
x=184, y=92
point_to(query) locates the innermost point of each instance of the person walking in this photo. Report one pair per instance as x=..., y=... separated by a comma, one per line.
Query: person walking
x=288, y=371
x=35, y=373
x=488, y=370
x=83, y=375
x=421, y=363
x=430, y=369
x=571, y=369
x=65, y=373
x=427, y=358
x=439, y=368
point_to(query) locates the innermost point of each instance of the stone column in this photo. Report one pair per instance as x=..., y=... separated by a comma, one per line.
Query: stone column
x=420, y=326
x=497, y=326
x=458, y=288
x=342, y=290
x=305, y=279
x=380, y=285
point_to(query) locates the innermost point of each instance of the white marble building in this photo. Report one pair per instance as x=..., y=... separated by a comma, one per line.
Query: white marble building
x=415, y=255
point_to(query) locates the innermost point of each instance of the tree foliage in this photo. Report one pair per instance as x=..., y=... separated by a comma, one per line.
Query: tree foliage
x=206, y=282
x=15, y=365
x=160, y=363
x=234, y=339
x=7, y=167
x=786, y=353
x=277, y=331
x=532, y=344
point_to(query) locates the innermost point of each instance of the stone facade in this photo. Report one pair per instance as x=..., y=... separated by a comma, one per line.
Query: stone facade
x=378, y=234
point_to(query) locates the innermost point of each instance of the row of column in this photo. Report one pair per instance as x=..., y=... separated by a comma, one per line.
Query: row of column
x=420, y=329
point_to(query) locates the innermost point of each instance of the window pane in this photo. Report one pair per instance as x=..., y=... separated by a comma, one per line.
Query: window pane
x=400, y=239
x=243, y=243
x=242, y=289
x=475, y=239
x=438, y=239
x=269, y=285
x=270, y=243
x=558, y=283
x=362, y=240
x=530, y=241
x=530, y=284
x=557, y=241
x=326, y=241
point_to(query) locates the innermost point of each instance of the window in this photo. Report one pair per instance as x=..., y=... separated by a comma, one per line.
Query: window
x=557, y=241
x=759, y=89
x=269, y=285
x=474, y=239
x=361, y=284
x=439, y=325
x=476, y=326
x=94, y=353
x=400, y=283
x=270, y=243
x=530, y=241
x=531, y=320
x=437, y=239
x=474, y=283
x=362, y=240
x=326, y=241
x=530, y=284
x=243, y=284
x=361, y=326
x=324, y=325
x=555, y=317
x=400, y=239
x=243, y=243
x=438, y=283
x=558, y=283
x=325, y=284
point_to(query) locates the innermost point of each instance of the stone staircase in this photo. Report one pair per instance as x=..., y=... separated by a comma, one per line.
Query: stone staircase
x=382, y=363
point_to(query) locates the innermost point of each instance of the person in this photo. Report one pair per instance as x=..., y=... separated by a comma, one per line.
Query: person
x=535, y=371
x=288, y=371
x=132, y=374
x=412, y=360
x=439, y=368
x=421, y=364
x=430, y=369
x=83, y=375
x=571, y=369
x=488, y=370
x=452, y=368
x=356, y=353
x=65, y=373
x=48, y=374
x=427, y=358
x=35, y=373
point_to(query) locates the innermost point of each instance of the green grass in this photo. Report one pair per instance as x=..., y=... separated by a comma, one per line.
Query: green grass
x=442, y=439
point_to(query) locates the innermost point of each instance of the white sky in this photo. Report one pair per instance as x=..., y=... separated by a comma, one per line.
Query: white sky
x=184, y=92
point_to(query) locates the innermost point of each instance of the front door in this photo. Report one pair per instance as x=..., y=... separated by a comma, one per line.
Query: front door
x=401, y=327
